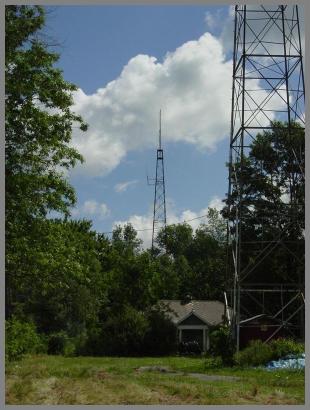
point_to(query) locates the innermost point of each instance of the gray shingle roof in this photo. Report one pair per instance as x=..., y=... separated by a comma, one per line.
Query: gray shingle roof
x=210, y=311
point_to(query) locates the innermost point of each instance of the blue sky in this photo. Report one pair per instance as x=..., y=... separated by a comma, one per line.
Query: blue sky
x=128, y=63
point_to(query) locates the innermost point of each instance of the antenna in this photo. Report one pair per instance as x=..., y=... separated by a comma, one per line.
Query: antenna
x=159, y=129
x=159, y=213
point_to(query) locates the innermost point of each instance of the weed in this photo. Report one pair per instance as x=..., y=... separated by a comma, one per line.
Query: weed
x=106, y=380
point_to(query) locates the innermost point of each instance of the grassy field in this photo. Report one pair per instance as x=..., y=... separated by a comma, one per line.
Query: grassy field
x=106, y=380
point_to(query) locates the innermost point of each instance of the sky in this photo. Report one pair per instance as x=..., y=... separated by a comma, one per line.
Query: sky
x=129, y=62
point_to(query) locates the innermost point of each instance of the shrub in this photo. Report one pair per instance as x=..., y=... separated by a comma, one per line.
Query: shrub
x=93, y=345
x=212, y=362
x=123, y=333
x=22, y=338
x=259, y=353
x=283, y=347
x=221, y=344
x=77, y=344
x=160, y=337
x=256, y=354
x=58, y=343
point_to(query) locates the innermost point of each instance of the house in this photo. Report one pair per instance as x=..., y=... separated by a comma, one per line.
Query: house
x=262, y=327
x=194, y=319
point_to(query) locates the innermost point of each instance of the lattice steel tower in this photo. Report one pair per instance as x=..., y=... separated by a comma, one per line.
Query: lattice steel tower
x=267, y=104
x=159, y=212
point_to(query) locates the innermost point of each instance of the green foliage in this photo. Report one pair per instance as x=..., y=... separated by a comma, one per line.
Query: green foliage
x=272, y=207
x=256, y=354
x=175, y=239
x=212, y=362
x=76, y=345
x=216, y=225
x=196, y=260
x=92, y=295
x=57, y=275
x=221, y=344
x=123, y=332
x=273, y=187
x=259, y=353
x=92, y=342
x=60, y=343
x=164, y=283
x=160, y=337
x=57, y=343
x=38, y=120
x=124, y=239
x=38, y=126
x=21, y=338
x=115, y=380
x=282, y=347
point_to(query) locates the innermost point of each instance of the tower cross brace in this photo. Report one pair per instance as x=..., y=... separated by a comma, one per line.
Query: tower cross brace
x=159, y=209
x=268, y=86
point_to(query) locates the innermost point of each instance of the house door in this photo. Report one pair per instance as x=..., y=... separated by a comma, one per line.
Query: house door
x=191, y=335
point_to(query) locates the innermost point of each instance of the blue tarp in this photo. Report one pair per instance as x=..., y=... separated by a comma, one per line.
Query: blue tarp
x=288, y=362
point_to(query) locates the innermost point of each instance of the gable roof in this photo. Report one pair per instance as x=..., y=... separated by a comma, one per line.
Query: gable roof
x=209, y=311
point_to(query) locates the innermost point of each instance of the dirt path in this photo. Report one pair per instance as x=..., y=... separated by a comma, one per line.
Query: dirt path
x=208, y=377
x=200, y=376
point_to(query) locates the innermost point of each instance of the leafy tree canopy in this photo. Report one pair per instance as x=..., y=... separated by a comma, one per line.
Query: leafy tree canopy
x=38, y=120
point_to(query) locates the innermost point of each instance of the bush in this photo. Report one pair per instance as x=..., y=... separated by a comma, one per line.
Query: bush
x=212, y=362
x=77, y=344
x=283, y=347
x=59, y=343
x=123, y=333
x=256, y=354
x=22, y=338
x=259, y=353
x=92, y=345
x=160, y=337
x=221, y=344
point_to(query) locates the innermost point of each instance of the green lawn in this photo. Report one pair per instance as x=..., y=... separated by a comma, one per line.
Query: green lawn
x=107, y=380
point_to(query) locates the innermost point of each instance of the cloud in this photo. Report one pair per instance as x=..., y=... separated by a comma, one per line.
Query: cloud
x=143, y=223
x=216, y=203
x=92, y=208
x=212, y=19
x=122, y=186
x=192, y=86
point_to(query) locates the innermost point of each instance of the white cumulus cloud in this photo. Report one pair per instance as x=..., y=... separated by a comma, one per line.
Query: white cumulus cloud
x=143, y=223
x=123, y=186
x=192, y=85
x=92, y=208
x=216, y=203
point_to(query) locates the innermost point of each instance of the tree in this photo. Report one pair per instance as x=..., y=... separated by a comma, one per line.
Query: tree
x=57, y=277
x=272, y=217
x=164, y=283
x=196, y=260
x=207, y=260
x=175, y=239
x=272, y=203
x=216, y=225
x=38, y=123
x=125, y=239
x=38, y=120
